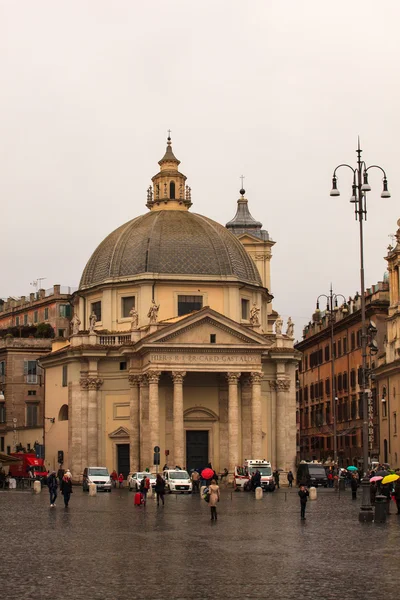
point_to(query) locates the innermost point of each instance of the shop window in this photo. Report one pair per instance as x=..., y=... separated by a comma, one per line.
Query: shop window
x=127, y=304
x=187, y=304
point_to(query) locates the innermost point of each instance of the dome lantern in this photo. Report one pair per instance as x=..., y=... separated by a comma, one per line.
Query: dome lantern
x=169, y=191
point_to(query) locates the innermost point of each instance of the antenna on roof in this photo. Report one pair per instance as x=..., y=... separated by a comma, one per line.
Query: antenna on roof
x=37, y=283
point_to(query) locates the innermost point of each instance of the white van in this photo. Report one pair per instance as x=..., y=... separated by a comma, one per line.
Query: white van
x=98, y=475
x=177, y=481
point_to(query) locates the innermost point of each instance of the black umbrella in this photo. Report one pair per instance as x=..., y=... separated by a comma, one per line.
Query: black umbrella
x=381, y=474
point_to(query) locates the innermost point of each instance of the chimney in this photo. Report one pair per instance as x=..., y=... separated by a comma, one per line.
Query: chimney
x=32, y=297
x=56, y=289
x=42, y=293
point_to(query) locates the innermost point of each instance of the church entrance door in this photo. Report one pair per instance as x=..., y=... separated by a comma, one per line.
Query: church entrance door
x=123, y=459
x=196, y=449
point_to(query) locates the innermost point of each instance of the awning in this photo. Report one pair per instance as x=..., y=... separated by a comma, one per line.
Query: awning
x=6, y=459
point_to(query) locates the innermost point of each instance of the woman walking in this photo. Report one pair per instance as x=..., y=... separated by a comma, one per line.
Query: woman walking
x=66, y=487
x=214, y=498
x=160, y=489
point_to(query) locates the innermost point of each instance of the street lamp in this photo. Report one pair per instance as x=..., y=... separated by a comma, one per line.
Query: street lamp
x=331, y=309
x=360, y=187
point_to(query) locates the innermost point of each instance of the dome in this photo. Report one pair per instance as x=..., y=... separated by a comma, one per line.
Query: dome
x=170, y=242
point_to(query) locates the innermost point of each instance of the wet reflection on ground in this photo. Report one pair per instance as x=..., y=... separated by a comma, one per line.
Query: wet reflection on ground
x=105, y=547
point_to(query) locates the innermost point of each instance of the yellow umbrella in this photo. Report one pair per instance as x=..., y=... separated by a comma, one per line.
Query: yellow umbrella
x=389, y=479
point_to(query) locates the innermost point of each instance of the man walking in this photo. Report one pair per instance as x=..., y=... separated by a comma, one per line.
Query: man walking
x=290, y=478
x=276, y=478
x=196, y=481
x=303, y=493
x=354, y=486
x=52, y=484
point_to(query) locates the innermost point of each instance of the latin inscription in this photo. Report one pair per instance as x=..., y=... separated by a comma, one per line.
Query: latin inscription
x=203, y=358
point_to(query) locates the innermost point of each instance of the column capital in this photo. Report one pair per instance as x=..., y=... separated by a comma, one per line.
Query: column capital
x=94, y=383
x=256, y=377
x=134, y=379
x=178, y=376
x=232, y=377
x=280, y=385
x=153, y=376
x=84, y=382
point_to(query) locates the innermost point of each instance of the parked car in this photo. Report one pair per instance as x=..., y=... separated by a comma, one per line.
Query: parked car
x=177, y=481
x=134, y=480
x=98, y=475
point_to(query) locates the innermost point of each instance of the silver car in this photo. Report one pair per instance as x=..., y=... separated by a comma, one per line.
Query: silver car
x=134, y=480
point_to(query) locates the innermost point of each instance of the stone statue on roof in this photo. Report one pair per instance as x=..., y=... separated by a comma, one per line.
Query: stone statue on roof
x=153, y=312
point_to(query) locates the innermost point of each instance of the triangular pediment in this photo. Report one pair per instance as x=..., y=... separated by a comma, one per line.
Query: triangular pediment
x=121, y=432
x=198, y=328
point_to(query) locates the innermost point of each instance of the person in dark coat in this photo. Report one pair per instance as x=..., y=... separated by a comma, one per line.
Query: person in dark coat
x=373, y=491
x=397, y=495
x=303, y=493
x=290, y=478
x=276, y=478
x=387, y=492
x=160, y=489
x=66, y=488
x=354, y=486
x=60, y=474
x=52, y=484
x=256, y=479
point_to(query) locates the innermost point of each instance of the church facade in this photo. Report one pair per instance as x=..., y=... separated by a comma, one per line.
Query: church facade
x=175, y=344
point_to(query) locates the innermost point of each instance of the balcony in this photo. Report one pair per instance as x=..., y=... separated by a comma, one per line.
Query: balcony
x=114, y=340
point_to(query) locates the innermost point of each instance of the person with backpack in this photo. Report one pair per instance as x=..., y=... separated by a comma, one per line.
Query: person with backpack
x=144, y=487
x=52, y=484
x=160, y=489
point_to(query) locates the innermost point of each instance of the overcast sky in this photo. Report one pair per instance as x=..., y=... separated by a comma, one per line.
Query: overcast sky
x=277, y=91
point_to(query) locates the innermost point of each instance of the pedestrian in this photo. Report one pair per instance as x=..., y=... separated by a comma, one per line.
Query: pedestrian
x=144, y=487
x=160, y=489
x=336, y=482
x=52, y=484
x=256, y=480
x=60, y=474
x=290, y=478
x=66, y=487
x=303, y=493
x=121, y=480
x=387, y=492
x=276, y=478
x=214, y=498
x=354, y=486
x=196, y=482
x=330, y=479
x=114, y=478
x=397, y=495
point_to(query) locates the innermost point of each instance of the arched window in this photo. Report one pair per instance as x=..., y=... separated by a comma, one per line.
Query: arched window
x=172, y=190
x=63, y=414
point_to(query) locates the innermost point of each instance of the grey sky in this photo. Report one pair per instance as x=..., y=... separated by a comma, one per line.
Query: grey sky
x=278, y=91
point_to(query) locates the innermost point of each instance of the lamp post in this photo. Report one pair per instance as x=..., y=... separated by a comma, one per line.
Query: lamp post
x=331, y=309
x=360, y=187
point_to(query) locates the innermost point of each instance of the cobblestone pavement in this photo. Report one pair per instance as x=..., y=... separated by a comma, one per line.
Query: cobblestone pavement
x=105, y=547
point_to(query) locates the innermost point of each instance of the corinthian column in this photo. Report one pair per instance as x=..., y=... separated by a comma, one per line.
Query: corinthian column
x=93, y=435
x=134, y=424
x=233, y=420
x=144, y=436
x=256, y=426
x=177, y=378
x=281, y=387
x=83, y=424
x=154, y=411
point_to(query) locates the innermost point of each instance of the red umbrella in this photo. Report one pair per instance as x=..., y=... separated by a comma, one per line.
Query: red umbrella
x=207, y=473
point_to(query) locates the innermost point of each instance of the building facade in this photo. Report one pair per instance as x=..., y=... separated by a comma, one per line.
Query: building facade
x=173, y=345
x=26, y=329
x=387, y=372
x=315, y=402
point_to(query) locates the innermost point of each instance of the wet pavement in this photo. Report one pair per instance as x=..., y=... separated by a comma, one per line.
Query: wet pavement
x=105, y=547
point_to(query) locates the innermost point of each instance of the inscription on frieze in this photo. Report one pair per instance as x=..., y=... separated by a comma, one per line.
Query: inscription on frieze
x=204, y=358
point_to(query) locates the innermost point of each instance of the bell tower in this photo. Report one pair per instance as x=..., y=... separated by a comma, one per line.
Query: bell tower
x=169, y=191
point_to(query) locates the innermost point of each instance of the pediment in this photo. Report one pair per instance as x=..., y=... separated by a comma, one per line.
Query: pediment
x=197, y=329
x=200, y=413
x=121, y=432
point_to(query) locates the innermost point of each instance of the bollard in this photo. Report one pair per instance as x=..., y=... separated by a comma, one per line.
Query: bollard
x=92, y=489
x=259, y=493
x=313, y=493
x=37, y=487
x=380, y=509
